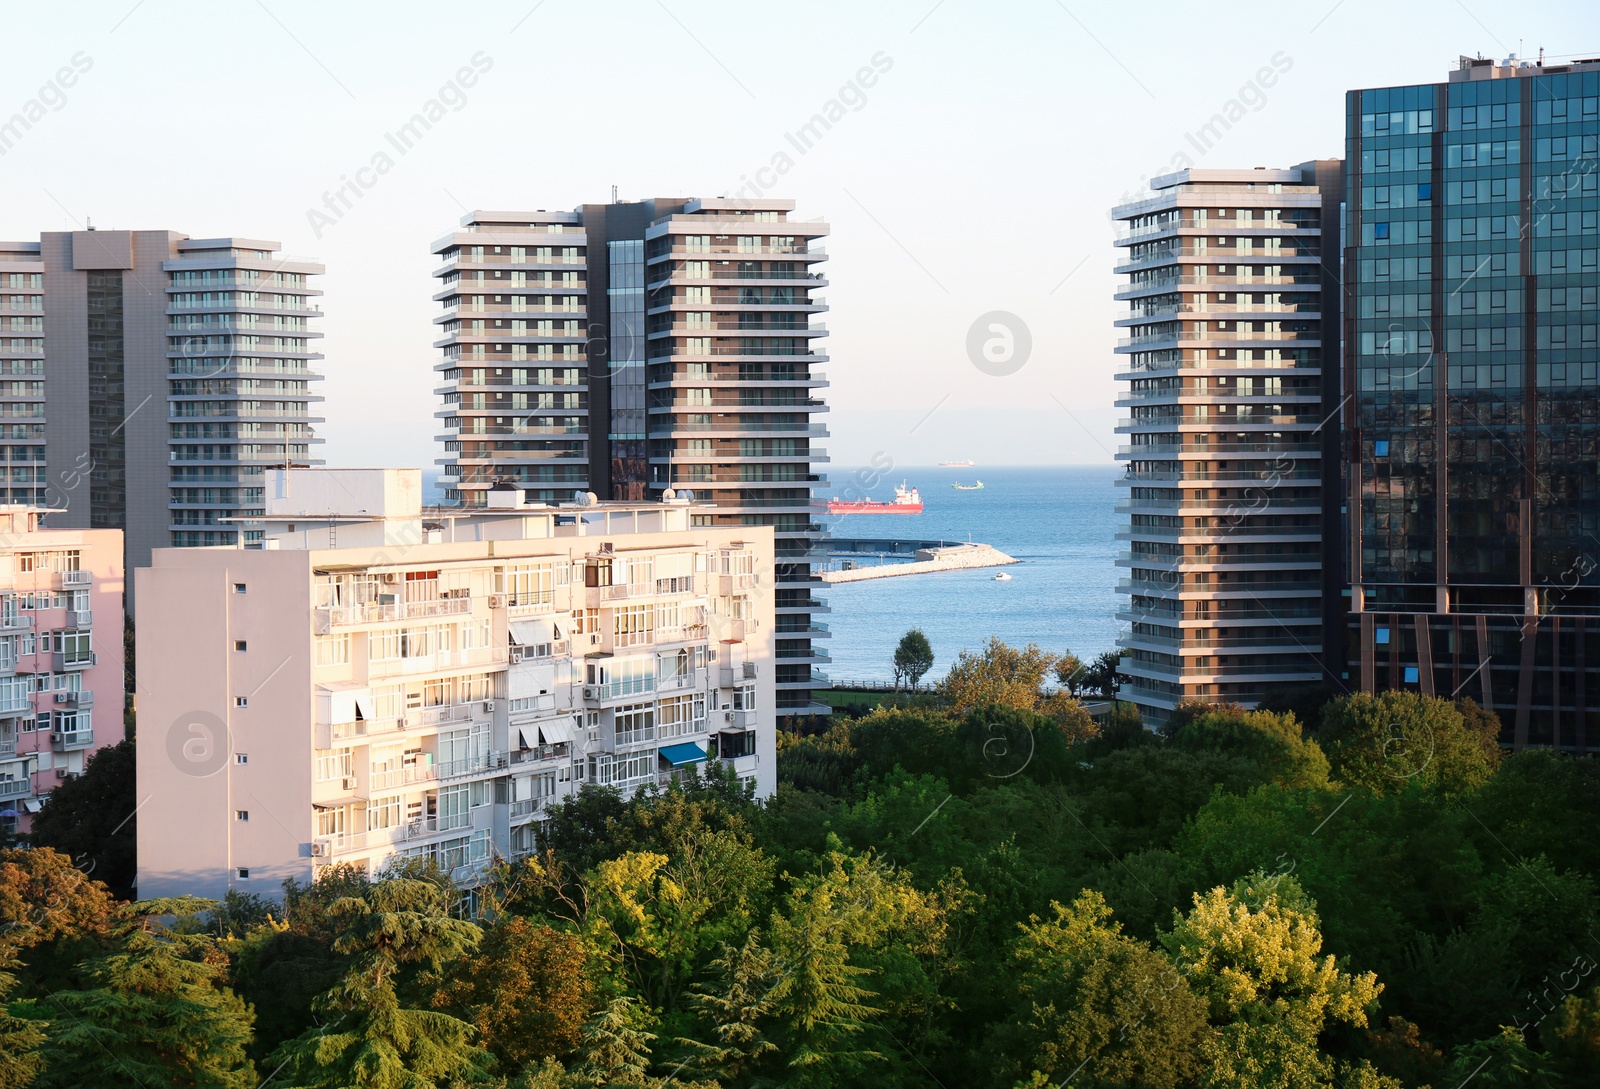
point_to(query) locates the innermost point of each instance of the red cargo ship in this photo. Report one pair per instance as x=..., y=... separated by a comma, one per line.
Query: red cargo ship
x=904, y=502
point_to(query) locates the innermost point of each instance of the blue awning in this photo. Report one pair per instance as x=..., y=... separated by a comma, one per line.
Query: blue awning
x=679, y=755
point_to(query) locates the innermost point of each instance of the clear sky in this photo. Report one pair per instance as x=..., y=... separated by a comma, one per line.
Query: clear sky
x=974, y=174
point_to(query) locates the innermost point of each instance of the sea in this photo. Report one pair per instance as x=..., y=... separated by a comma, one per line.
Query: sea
x=1059, y=521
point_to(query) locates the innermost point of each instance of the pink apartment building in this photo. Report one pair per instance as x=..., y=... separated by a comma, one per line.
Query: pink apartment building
x=56, y=667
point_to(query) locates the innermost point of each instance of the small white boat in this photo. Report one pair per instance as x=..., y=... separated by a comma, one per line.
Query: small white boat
x=1002, y=577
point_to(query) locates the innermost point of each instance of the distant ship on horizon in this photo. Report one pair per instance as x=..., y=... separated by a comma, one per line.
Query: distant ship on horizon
x=957, y=464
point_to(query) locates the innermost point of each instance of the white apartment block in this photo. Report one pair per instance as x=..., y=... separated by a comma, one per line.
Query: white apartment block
x=54, y=661
x=376, y=681
x=1231, y=295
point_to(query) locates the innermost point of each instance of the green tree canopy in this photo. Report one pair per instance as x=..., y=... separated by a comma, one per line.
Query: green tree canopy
x=91, y=818
x=375, y=1032
x=1274, y=742
x=996, y=676
x=156, y=1011
x=1254, y=954
x=1089, y=998
x=1384, y=742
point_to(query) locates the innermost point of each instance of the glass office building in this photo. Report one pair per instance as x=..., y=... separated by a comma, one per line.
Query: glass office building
x=1472, y=266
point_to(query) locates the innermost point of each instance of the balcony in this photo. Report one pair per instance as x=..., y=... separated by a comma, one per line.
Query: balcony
x=71, y=580
x=8, y=746
x=630, y=686
x=523, y=808
x=377, y=612
x=541, y=753
x=730, y=676
x=84, y=698
x=15, y=622
x=80, y=618
x=71, y=740
x=16, y=788
x=62, y=660
x=429, y=826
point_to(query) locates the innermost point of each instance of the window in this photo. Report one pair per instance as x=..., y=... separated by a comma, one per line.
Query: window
x=241, y=814
x=241, y=758
x=332, y=650
x=244, y=873
x=240, y=645
x=1381, y=637
x=1380, y=448
x=241, y=701
x=1380, y=230
x=1424, y=190
x=239, y=588
x=1411, y=674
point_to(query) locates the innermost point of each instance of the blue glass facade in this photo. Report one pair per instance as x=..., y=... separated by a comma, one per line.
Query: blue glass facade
x=1472, y=266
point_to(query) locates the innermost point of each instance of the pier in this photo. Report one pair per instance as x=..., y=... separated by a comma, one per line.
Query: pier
x=926, y=557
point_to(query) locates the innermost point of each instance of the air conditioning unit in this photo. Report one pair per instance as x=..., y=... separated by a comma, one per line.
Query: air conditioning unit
x=727, y=716
x=321, y=848
x=61, y=773
x=488, y=706
x=391, y=576
x=63, y=697
x=591, y=693
x=497, y=601
x=594, y=640
x=348, y=782
x=55, y=736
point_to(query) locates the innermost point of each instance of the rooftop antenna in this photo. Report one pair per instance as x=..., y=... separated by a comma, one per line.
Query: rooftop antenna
x=613, y=194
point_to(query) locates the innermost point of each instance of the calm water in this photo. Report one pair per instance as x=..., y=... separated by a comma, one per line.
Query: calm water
x=1059, y=521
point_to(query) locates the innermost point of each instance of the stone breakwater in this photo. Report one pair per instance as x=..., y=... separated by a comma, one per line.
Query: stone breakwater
x=949, y=558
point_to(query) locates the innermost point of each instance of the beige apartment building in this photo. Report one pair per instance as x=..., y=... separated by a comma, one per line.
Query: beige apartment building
x=378, y=681
x=59, y=671
x=1229, y=359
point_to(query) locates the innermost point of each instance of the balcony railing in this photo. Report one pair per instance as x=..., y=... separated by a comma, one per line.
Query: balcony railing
x=71, y=740
x=63, y=660
x=428, y=826
x=64, y=580
x=374, y=612
x=15, y=788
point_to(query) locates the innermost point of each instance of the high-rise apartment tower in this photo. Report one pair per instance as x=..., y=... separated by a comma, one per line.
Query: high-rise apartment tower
x=149, y=378
x=1230, y=308
x=628, y=348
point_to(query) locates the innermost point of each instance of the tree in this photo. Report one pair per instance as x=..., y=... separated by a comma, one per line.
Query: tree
x=1089, y=997
x=91, y=818
x=375, y=1034
x=1102, y=675
x=20, y=1037
x=1272, y=741
x=525, y=990
x=731, y=1011
x=1253, y=953
x=912, y=658
x=156, y=1012
x=1384, y=742
x=998, y=675
x=1069, y=673
x=53, y=912
x=1504, y=1061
